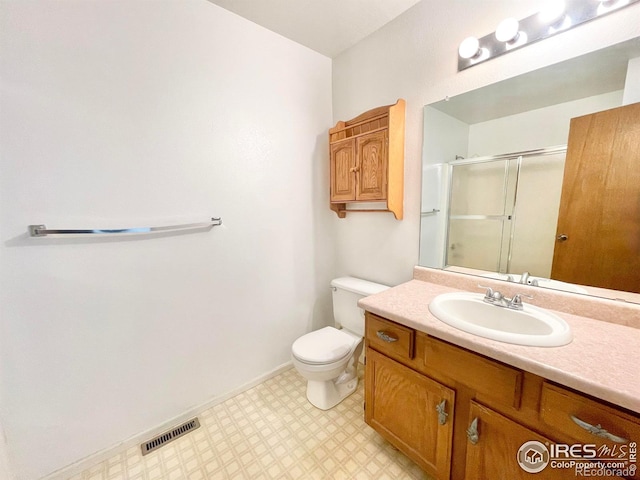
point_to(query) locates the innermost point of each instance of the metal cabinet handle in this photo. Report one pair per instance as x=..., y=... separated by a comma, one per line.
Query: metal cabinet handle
x=441, y=408
x=384, y=336
x=598, y=430
x=472, y=431
x=562, y=237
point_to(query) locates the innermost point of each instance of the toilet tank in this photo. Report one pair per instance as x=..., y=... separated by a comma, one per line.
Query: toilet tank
x=346, y=293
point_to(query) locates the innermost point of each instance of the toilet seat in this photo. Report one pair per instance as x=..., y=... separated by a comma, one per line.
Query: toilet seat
x=324, y=346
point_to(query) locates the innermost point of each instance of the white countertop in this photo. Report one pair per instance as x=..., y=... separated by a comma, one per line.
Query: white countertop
x=603, y=360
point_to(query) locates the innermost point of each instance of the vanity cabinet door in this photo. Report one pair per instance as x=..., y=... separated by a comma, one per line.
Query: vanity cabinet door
x=493, y=445
x=413, y=412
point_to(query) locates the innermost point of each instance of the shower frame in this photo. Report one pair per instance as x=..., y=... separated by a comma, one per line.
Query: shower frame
x=519, y=157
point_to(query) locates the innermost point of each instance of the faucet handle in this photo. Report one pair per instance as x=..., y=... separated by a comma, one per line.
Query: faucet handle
x=489, y=293
x=516, y=301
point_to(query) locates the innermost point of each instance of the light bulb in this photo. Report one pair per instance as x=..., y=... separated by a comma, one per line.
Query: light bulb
x=552, y=11
x=469, y=48
x=608, y=5
x=507, y=30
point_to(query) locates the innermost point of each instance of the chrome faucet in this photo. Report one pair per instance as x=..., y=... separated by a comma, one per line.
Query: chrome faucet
x=526, y=279
x=496, y=298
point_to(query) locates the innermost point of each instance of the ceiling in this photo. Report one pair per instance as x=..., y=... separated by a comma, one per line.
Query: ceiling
x=326, y=26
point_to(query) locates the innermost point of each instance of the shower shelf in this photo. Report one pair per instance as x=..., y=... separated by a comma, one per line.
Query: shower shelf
x=42, y=231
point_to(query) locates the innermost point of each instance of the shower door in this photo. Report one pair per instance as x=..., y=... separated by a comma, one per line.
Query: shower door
x=481, y=205
x=503, y=211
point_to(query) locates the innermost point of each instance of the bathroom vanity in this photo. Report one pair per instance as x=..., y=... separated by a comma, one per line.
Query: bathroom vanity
x=462, y=406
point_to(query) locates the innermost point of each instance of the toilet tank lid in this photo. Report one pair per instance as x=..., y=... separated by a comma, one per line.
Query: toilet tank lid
x=357, y=285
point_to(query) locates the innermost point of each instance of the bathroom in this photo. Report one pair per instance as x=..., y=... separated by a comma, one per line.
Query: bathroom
x=135, y=113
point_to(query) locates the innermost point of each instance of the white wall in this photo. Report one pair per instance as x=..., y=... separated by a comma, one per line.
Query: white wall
x=535, y=129
x=444, y=139
x=441, y=144
x=6, y=472
x=632, y=82
x=415, y=57
x=119, y=113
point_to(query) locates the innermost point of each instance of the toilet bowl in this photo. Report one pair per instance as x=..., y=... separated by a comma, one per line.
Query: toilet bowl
x=328, y=358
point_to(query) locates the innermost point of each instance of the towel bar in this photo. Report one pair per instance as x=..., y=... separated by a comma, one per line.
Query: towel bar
x=42, y=231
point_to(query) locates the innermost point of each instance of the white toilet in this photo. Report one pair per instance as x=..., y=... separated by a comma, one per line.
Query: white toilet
x=328, y=358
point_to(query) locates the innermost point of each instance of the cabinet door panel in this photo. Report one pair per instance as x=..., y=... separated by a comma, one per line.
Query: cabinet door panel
x=343, y=164
x=401, y=405
x=495, y=455
x=371, y=181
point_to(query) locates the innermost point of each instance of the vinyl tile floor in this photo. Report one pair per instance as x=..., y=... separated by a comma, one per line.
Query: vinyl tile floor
x=269, y=432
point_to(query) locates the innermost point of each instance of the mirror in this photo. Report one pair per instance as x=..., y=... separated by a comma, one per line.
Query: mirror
x=493, y=162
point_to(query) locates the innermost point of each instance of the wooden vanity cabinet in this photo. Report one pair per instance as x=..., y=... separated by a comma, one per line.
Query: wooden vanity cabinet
x=491, y=409
x=366, y=159
x=411, y=411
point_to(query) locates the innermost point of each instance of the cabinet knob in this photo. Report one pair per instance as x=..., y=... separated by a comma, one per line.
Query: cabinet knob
x=472, y=431
x=562, y=237
x=441, y=408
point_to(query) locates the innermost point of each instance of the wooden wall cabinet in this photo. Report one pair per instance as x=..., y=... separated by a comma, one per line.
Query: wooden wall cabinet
x=366, y=159
x=460, y=415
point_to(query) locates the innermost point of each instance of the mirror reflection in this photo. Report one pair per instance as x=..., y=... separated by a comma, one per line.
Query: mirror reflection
x=515, y=189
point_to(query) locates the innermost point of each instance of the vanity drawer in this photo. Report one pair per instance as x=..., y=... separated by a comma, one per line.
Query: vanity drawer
x=390, y=338
x=559, y=407
x=491, y=379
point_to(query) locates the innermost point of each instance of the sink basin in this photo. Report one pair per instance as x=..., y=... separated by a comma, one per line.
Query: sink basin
x=531, y=326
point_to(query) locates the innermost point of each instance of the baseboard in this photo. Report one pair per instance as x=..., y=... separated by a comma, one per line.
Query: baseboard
x=102, y=455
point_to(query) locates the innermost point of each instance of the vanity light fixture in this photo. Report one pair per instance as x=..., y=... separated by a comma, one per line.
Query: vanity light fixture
x=554, y=17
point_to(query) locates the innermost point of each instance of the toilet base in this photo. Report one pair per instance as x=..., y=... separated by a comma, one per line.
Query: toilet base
x=326, y=395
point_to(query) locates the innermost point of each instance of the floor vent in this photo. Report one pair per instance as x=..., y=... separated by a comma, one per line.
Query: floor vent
x=169, y=436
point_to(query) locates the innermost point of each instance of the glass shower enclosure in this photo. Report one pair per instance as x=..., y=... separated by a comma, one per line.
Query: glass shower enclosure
x=503, y=210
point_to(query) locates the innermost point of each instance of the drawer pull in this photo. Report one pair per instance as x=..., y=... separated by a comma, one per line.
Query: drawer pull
x=441, y=408
x=384, y=336
x=598, y=431
x=472, y=431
